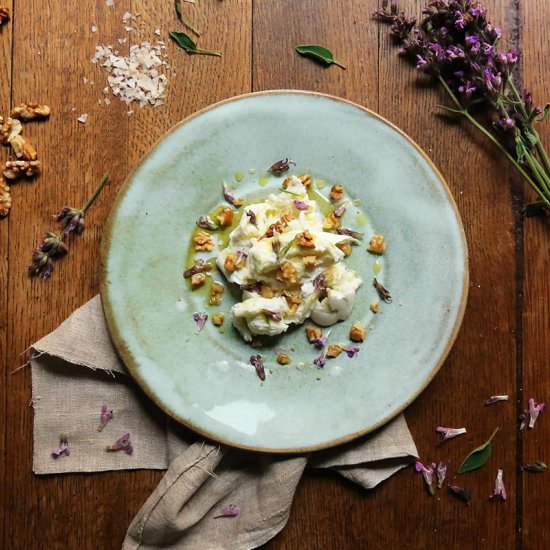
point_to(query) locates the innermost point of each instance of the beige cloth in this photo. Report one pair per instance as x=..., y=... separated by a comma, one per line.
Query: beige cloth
x=202, y=477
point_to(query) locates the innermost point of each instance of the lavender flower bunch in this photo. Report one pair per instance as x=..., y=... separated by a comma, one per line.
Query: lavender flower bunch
x=53, y=245
x=457, y=46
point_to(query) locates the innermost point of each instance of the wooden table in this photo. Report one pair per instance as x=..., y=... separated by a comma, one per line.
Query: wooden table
x=504, y=343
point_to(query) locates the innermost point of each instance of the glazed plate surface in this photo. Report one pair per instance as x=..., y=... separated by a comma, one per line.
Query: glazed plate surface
x=204, y=380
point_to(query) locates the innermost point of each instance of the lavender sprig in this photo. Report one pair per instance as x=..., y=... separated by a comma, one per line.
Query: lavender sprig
x=53, y=247
x=457, y=46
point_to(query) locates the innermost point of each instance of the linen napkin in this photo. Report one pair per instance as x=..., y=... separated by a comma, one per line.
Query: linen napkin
x=75, y=370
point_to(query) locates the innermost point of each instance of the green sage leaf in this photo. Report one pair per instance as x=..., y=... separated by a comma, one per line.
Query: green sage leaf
x=184, y=20
x=187, y=43
x=319, y=53
x=478, y=457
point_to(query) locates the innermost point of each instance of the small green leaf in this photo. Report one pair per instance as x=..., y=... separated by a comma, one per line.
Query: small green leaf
x=185, y=21
x=520, y=149
x=531, y=136
x=544, y=114
x=478, y=457
x=534, y=209
x=319, y=53
x=186, y=42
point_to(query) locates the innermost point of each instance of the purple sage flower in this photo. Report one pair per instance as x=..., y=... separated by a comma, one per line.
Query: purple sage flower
x=199, y=267
x=200, y=318
x=321, y=361
x=105, y=416
x=123, y=443
x=428, y=474
x=534, y=411
x=63, y=448
x=352, y=351
x=229, y=511
x=281, y=166
x=499, y=491
x=460, y=492
x=350, y=233
x=321, y=342
x=318, y=282
x=252, y=217
x=272, y=315
x=73, y=219
x=340, y=210
x=441, y=471
x=449, y=433
x=206, y=222
x=300, y=205
x=507, y=124
x=229, y=197
x=257, y=361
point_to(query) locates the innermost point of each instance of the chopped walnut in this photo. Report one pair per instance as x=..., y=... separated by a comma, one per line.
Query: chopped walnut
x=331, y=221
x=14, y=169
x=197, y=280
x=306, y=180
x=4, y=15
x=278, y=226
x=218, y=319
x=9, y=129
x=345, y=248
x=334, y=350
x=266, y=291
x=293, y=301
x=357, y=332
x=374, y=306
x=305, y=240
x=23, y=148
x=309, y=261
x=377, y=244
x=225, y=217
x=286, y=182
x=203, y=242
x=30, y=111
x=287, y=273
x=216, y=294
x=336, y=193
x=231, y=262
x=5, y=199
x=313, y=333
x=283, y=359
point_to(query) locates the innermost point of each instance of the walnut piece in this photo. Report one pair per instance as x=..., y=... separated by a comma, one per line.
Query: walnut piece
x=231, y=262
x=278, y=226
x=336, y=193
x=287, y=273
x=377, y=244
x=283, y=359
x=30, y=111
x=306, y=180
x=313, y=333
x=305, y=240
x=5, y=199
x=334, y=351
x=23, y=148
x=225, y=217
x=374, y=306
x=218, y=319
x=293, y=301
x=9, y=129
x=14, y=169
x=266, y=291
x=331, y=221
x=216, y=294
x=345, y=248
x=357, y=332
x=309, y=261
x=203, y=242
x=197, y=280
x=4, y=15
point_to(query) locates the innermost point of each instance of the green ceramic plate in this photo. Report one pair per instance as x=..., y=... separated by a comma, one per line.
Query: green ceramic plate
x=205, y=380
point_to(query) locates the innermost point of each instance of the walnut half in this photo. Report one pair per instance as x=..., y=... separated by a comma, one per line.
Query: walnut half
x=23, y=148
x=14, y=169
x=30, y=111
x=9, y=129
x=5, y=199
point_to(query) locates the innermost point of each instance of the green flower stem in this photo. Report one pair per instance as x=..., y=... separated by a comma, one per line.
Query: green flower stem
x=539, y=172
x=540, y=147
x=520, y=169
x=95, y=193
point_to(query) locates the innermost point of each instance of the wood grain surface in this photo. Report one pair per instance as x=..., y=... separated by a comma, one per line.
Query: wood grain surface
x=504, y=343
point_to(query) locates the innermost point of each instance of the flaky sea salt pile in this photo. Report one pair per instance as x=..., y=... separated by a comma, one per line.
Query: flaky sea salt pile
x=139, y=76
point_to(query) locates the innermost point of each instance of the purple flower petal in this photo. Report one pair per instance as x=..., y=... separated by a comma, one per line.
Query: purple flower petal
x=534, y=411
x=427, y=473
x=496, y=399
x=63, y=448
x=499, y=491
x=257, y=361
x=449, y=433
x=350, y=233
x=536, y=467
x=281, y=166
x=441, y=471
x=200, y=318
x=227, y=195
x=339, y=211
x=321, y=361
x=300, y=205
x=106, y=415
x=229, y=511
x=200, y=267
x=352, y=351
x=251, y=217
x=318, y=282
x=123, y=443
x=272, y=315
x=205, y=222
x=253, y=287
x=460, y=492
x=321, y=342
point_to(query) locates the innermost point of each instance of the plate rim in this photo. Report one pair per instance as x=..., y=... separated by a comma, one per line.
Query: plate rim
x=125, y=355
